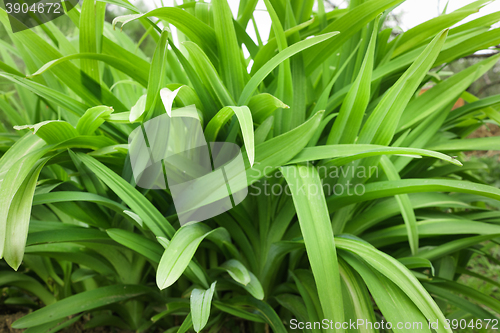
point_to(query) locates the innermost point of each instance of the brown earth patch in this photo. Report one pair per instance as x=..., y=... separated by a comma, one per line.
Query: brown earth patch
x=6, y=321
x=487, y=130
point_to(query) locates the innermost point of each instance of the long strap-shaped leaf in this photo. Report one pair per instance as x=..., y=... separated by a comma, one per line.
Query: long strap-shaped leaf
x=394, y=304
x=139, y=204
x=134, y=70
x=69, y=74
x=358, y=293
x=399, y=275
x=348, y=122
x=52, y=95
x=404, y=204
x=85, y=301
x=179, y=253
x=432, y=228
x=230, y=56
x=316, y=228
x=348, y=24
x=88, y=40
x=285, y=83
x=208, y=74
x=444, y=93
x=389, y=207
x=252, y=309
x=156, y=73
x=344, y=154
x=393, y=187
x=27, y=283
x=383, y=121
x=275, y=61
x=246, y=123
x=193, y=28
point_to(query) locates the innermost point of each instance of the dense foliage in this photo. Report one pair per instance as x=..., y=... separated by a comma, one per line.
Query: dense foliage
x=360, y=207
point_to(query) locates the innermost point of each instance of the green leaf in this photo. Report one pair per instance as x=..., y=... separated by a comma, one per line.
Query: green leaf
x=358, y=294
x=316, y=228
x=186, y=324
x=262, y=132
x=488, y=143
x=52, y=95
x=52, y=131
x=353, y=109
x=394, y=303
x=18, y=218
x=64, y=234
x=322, y=102
x=383, y=121
x=404, y=204
x=306, y=286
x=193, y=271
x=88, y=40
x=263, y=106
x=193, y=28
x=12, y=178
x=252, y=309
x=246, y=124
x=417, y=262
x=388, y=188
x=137, y=71
x=237, y=271
x=27, y=283
x=417, y=35
x=23, y=146
x=92, y=119
x=68, y=74
x=453, y=246
x=208, y=74
x=285, y=81
x=238, y=310
x=156, y=72
x=138, y=109
x=399, y=275
x=432, y=227
x=254, y=287
x=179, y=253
x=347, y=25
x=139, y=204
x=389, y=207
x=138, y=243
x=344, y=154
x=444, y=93
x=472, y=293
x=230, y=56
x=458, y=301
x=261, y=74
x=295, y=305
x=74, y=253
x=84, y=301
x=201, y=301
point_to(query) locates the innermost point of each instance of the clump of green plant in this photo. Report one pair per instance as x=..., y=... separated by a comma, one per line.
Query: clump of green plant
x=330, y=102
